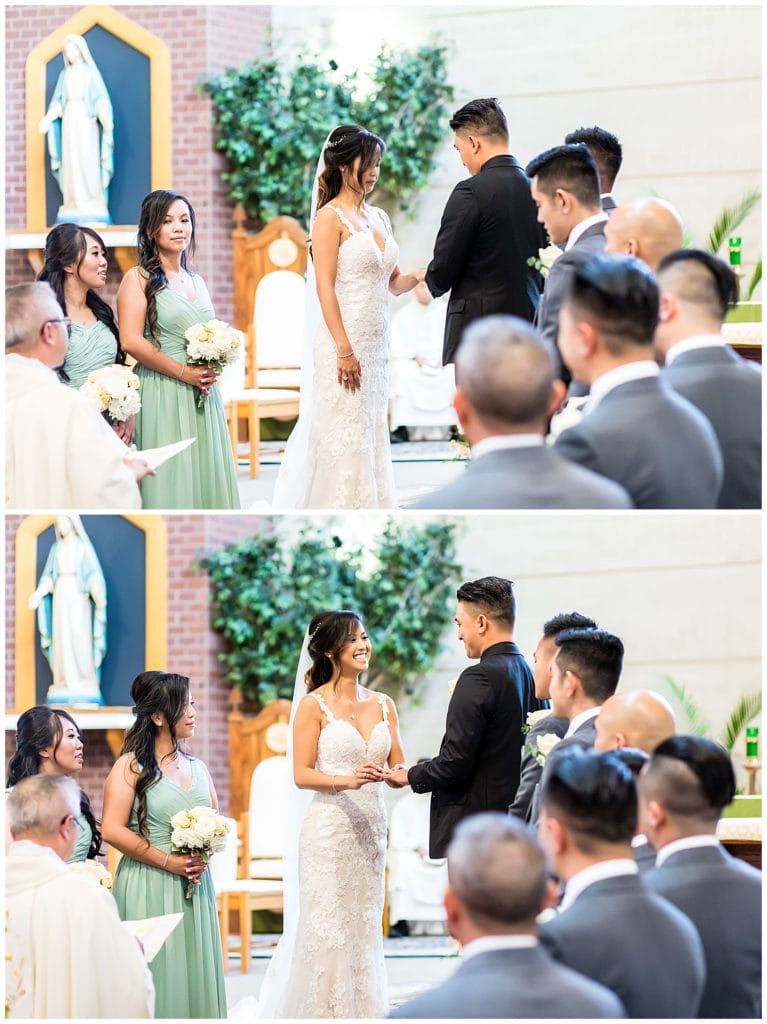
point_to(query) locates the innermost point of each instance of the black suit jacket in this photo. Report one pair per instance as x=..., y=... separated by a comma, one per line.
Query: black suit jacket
x=489, y=230
x=477, y=767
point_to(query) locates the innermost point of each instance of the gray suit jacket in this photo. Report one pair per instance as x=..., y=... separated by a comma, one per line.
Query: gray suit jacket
x=513, y=983
x=728, y=391
x=722, y=898
x=584, y=736
x=635, y=943
x=644, y=857
x=530, y=477
x=558, y=283
x=608, y=203
x=530, y=770
x=654, y=442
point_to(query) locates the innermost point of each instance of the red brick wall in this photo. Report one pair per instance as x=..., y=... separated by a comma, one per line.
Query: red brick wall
x=202, y=41
x=192, y=644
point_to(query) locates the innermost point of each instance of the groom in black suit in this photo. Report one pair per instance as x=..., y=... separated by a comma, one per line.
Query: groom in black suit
x=477, y=768
x=488, y=229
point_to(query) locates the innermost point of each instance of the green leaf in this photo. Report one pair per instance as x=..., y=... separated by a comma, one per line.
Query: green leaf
x=756, y=277
x=745, y=711
x=696, y=722
x=731, y=218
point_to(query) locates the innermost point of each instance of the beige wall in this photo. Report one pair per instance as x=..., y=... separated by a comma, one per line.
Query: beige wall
x=682, y=591
x=680, y=86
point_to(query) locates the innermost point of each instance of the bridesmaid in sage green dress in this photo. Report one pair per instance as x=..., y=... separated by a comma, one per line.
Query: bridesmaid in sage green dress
x=75, y=266
x=49, y=742
x=151, y=781
x=157, y=302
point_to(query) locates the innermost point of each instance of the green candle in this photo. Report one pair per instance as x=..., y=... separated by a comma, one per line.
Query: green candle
x=752, y=742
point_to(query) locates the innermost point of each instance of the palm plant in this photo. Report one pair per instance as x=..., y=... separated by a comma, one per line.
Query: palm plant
x=731, y=218
x=745, y=711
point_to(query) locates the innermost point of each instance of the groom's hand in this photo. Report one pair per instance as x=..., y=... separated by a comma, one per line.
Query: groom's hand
x=396, y=777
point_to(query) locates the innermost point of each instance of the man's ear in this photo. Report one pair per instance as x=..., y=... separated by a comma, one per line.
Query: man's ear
x=461, y=405
x=558, y=395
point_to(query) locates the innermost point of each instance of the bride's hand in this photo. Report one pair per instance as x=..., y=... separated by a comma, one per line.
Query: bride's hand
x=368, y=772
x=349, y=372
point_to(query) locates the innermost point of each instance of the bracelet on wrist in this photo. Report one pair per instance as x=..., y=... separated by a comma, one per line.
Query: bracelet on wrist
x=347, y=356
x=165, y=862
x=181, y=373
x=335, y=791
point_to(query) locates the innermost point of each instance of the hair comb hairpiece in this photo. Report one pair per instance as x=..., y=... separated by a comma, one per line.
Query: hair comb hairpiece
x=336, y=142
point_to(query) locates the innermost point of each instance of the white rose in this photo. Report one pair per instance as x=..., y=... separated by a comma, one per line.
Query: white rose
x=546, y=744
x=549, y=256
x=536, y=716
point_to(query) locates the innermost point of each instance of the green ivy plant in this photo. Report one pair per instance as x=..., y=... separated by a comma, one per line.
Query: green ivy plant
x=271, y=121
x=267, y=588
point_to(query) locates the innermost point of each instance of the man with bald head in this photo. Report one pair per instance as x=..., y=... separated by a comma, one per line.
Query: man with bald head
x=497, y=887
x=682, y=792
x=647, y=228
x=640, y=719
x=696, y=291
x=506, y=392
x=59, y=451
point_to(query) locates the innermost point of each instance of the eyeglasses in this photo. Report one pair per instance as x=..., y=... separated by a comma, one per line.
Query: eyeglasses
x=58, y=320
x=76, y=818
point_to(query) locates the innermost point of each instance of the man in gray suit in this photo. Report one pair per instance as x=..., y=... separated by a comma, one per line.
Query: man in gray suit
x=611, y=927
x=544, y=724
x=506, y=392
x=497, y=887
x=683, y=791
x=565, y=188
x=584, y=673
x=648, y=229
x=636, y=430
x=608, y=156
x=697, y=289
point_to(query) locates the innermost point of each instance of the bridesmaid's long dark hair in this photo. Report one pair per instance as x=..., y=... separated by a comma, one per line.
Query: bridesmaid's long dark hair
x=153, y=210
x=153, y=692
x=345, y=144
x=328, y=632
x=37, y=729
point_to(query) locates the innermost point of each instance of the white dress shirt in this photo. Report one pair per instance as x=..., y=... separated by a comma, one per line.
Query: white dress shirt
x=688, y=843
x=500, y=442
x=620, y=375
x=578, y=230
x=691, y=344
x=579, y=719
x=489, y=943
x=596, y=873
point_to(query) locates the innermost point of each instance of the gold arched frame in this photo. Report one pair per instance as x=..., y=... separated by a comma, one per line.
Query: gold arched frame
x=156, y=591
x=159, y=99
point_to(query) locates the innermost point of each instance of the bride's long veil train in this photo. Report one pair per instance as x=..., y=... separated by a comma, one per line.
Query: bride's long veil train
x=290, y=487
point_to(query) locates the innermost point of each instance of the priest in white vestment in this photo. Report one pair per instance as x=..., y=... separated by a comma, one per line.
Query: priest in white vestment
x=67, y=954
x=416, y=882
x=59, y=451
x=422, y=388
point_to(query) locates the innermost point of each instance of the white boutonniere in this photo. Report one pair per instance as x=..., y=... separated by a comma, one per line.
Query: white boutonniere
x=543, y=747
x=571, y=414
x=533, y=717
x=545, y=259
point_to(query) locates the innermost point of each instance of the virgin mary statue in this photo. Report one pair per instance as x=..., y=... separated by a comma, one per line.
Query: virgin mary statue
x=81, y=162
x=71, y=608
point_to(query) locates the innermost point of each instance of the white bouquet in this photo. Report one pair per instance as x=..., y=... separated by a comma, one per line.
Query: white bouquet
x=213, y=343
x=201, y=831
x=114, y=390
x=94, y=870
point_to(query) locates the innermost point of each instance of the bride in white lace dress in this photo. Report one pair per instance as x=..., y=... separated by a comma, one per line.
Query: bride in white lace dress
x=339, y=455
x=330, y=962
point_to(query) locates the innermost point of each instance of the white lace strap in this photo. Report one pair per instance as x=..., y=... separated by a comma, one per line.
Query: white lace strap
x=384, y=218
x=343, y=218
x=384, y=706
x=321, y=701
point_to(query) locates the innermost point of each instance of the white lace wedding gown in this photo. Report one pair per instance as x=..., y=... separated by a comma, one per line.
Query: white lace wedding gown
x=348, y=463
x=336, y=966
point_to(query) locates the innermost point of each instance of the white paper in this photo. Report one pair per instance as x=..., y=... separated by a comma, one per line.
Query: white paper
x=156, y=456
x=152, y=932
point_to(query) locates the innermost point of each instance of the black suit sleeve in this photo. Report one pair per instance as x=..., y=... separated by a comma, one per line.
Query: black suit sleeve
x=464, y=730
x=456, y=234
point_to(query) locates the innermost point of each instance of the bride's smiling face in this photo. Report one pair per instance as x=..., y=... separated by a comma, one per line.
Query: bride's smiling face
x=354, y=656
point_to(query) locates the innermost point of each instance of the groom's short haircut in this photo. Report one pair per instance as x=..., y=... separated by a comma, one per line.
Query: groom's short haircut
x=505, y=371
x=570, y=168
x=497, y=869
x=604, y=148
x=595, y=656
x=567, y=620
x=619, y=297
x=593, y=795
x=481, y=117
x=493, y=596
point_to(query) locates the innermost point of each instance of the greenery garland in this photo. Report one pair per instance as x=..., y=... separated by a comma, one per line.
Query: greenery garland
x=271, y=121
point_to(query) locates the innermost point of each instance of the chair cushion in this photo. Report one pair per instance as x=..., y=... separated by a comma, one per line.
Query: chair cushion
x=279, y=378
x=262, y=867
